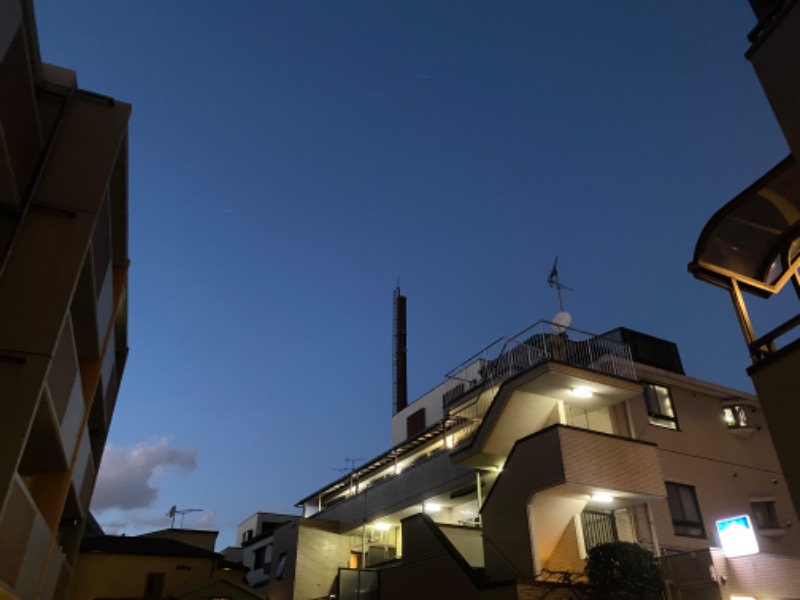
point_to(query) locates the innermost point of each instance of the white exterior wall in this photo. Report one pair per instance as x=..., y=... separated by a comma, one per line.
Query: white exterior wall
x=432, y=401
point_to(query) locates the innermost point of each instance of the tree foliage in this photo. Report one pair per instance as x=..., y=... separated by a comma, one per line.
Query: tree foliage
x=623, y=571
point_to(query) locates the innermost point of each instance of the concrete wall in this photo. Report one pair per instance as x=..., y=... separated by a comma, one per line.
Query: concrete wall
x=777, y=64
x=101, y=575
x=314, y=554
x=776, y=380
x=430, y=569
x=321, y=552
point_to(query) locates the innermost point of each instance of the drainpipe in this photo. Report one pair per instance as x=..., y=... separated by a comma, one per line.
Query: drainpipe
x=653, y=535
x=480, y=497
x=364, y=545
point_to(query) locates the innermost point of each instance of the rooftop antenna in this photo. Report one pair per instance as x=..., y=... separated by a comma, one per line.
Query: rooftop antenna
x=351, y=468
x=182, y=512
x=351, y=465
x=563, y=319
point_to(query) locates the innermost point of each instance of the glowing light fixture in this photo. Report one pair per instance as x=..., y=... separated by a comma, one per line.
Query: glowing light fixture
x=432, y=508
x=743, y=598
x=602, y=497
x=582, y=391
x=382, y=526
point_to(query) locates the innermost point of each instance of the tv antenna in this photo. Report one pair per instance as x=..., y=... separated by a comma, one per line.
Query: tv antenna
x=174, y=510
x=351, y=465
x=563, y=319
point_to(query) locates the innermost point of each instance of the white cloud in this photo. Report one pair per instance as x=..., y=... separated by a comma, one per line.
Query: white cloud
x=129, y=477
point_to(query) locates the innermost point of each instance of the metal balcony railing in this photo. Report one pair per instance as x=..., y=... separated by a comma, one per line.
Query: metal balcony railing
x=507, y=357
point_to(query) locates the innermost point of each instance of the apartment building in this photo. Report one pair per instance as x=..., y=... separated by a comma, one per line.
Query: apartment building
x=750, y=246
x=63, y=303
x=535, y=449
x=255, y=536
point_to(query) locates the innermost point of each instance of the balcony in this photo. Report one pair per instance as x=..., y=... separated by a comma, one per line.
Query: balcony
x=545, y=375
x=543, y=341
x=530, y=510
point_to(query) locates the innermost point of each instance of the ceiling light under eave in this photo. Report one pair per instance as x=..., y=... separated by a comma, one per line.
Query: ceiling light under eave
x=602, y=497
x=432, y=508
x=382, y=526
x=581, y=391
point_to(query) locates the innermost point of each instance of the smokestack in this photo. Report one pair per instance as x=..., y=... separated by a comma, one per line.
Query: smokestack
x=399, y=374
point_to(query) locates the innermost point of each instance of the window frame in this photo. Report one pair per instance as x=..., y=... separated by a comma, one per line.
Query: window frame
x=735, y=416
x=772, y=521
x=656, y=408
x=684, y=497
x=280, y=568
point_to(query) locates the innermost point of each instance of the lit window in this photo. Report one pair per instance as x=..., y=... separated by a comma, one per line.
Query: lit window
x=735, y=416
x=765, y=515
x=659, y=406
x=685, y=511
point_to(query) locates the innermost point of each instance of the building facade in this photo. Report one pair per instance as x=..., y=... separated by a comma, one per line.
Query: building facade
x=500, y=480
x=63, y=303
x=751, y=245
x=255, y=536
x=172, y=563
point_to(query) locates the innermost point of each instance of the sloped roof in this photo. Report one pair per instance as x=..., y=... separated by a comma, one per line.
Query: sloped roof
x=147, y=546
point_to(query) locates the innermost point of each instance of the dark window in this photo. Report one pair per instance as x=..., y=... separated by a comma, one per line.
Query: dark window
x=415, y=423
x=659, y=406
x=154, y=586
x=765, y=515
x=685, y=511
x=258, y=557
x=247, y=536
x=280, y=569
x=598, y=528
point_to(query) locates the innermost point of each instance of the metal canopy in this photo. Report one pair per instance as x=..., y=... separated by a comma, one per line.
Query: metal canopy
x=753, y=239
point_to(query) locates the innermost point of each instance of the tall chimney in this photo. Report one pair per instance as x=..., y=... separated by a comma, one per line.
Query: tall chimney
x=399, y=351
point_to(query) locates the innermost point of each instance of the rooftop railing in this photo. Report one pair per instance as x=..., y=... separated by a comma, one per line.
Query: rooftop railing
x=507, y=357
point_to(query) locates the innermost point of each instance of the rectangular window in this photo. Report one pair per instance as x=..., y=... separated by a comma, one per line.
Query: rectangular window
x=415, y=423
x=685, y=511
x=280, y=569
x=247, y=536
x=258, y=557
x=659, y=406
x=735, y=416
x=765, y=515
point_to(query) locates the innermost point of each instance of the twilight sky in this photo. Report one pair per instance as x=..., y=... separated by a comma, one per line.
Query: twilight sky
x=289, y=161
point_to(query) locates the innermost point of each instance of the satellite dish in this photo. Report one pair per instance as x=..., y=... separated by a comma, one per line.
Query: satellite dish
x=561, y=321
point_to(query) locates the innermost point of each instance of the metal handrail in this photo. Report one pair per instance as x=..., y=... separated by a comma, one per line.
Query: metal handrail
x=543, y=341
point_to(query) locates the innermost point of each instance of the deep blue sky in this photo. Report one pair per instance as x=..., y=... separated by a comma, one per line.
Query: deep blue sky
x=289, y=161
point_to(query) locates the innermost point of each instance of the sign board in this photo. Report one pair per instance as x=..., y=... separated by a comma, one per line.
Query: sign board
x=737, y=536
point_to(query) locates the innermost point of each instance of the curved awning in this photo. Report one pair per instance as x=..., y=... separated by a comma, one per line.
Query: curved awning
x=753, y=239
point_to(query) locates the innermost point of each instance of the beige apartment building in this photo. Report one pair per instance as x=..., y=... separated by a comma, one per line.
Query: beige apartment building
x=752, y=244
x=63, y=303
x=531, y=452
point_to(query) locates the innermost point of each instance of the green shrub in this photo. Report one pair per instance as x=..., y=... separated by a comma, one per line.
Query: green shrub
x=623, y=571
